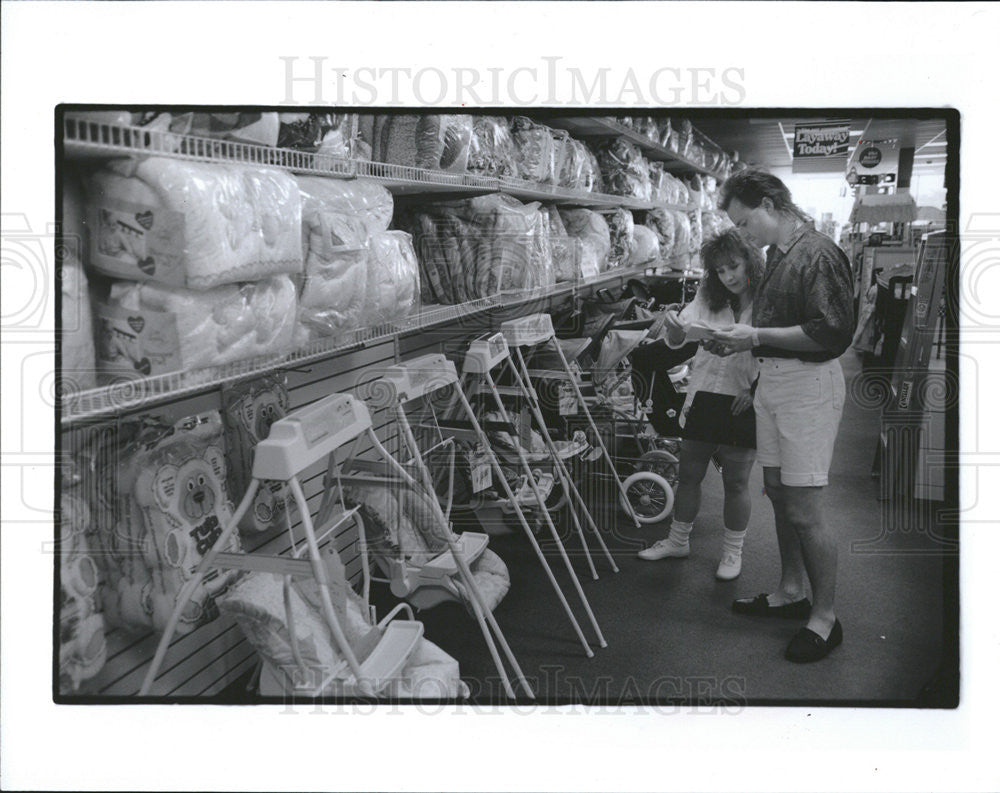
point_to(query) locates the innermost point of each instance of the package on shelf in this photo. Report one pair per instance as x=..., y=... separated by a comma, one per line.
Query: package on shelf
x=538, y=150
x=480, y=247
x=161, y=503
x=697, y=234
x=592, y=231
x=663, y=223
x=145, y=328
x=579, y=170
x=625, y=121
x=491, y=150
x=646, y=125
x=665, y=130
x=566, y=250
x=621, y=226
x=193, y=224
x=685, y=135
x=79, y=367
x=443, y=142
x=393, y=283
x=624, y=171
x=714, y=223
x=259, y=128
x=122, y=118
x=645, y=246
x=338, y=219
x=249, y=408
x=82, y=645
x=258, y=605
x=330, y=133
x=680, y=257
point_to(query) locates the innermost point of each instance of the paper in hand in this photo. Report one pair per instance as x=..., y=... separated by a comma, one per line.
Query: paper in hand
x=700, y=331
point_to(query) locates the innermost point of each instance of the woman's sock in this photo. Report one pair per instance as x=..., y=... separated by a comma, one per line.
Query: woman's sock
x=732, y=542
x=679, y=533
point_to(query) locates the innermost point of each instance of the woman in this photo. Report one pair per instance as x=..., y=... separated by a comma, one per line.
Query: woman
x=717, y=415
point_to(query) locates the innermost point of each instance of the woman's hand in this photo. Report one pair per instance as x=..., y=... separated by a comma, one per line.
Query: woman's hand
x=673, y=322
x=717, y=348
x=736, y=338
x=742, y=401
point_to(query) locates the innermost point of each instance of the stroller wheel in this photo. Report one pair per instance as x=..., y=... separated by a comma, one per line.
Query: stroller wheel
x=663, y=463
x=649, y=495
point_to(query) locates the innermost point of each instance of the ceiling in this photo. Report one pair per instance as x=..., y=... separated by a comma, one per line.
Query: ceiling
x=766, y=141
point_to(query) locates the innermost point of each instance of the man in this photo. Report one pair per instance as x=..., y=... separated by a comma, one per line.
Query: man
x=803, y=321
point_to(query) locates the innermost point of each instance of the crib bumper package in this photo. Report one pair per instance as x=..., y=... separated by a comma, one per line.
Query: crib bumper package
x=481, y=247
x=146, y=329
x=491, y=149
x=191, y=224
x=621, y=226
x=664, y=224
x=645, y=246
x=163, y=505
x=594, y=235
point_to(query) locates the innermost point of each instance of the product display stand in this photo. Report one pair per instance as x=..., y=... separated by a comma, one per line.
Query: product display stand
x=294, y=443
x=483, y=356
x=405, y=383
x=531, y=331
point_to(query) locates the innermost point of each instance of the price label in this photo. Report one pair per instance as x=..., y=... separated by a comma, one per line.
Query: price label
x=480, y=469
x=567, y=400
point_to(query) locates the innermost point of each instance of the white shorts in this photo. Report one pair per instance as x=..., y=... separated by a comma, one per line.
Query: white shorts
x=798, y=406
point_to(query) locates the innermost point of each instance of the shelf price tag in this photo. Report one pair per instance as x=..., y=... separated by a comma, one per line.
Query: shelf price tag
x=480, y=469
x=567, y=400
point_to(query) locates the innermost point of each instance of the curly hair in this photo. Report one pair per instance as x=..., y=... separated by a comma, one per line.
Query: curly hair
x=727, y=246
x=752, y=185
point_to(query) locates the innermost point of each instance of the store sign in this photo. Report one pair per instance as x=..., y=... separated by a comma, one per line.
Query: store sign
x=820, y=140
x=874, y=162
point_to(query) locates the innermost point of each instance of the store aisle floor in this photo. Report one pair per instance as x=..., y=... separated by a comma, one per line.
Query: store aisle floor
x=668, y=624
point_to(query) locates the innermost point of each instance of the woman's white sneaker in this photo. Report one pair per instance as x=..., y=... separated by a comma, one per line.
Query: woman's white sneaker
x=661, y=549
x=729, y=567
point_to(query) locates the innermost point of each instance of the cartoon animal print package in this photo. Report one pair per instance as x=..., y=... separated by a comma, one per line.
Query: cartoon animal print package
x=168, y=506
x=249, y=408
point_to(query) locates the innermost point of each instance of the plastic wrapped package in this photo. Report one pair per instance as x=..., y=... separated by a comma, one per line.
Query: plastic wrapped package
x=694, y=216
x=624, y=171
x=591, y=171
x=115, y=117
x=78, y=360
x=442, y=141
x=161, y=491
x=249, y=408
x=646, y=125
x=541, y=250
x=682, y=233
x=478, y=247
x=536, y=150
x=82, y=646
x=395, y=139
x=662, y=223
x=491, y=149
x=595, y=237
x=665, y=129
x=151, y=329
x=333, y=133
x=259, y=128
x=713, y=224
x=365, y=199
x=685, y=134
x=393, y=278
x=564, y=248
x=622, y=230
x=193, y=224
x=645, y=247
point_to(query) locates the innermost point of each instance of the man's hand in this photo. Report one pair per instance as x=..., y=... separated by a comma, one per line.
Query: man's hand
x=736, y=338
x=717, y=348
x=742, y=401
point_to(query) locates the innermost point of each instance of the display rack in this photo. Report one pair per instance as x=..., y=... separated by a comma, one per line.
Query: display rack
x=102, y=140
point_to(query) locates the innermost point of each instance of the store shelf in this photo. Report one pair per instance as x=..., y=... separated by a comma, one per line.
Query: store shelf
x=93, y=140
x=133, y=393
x=597, y=127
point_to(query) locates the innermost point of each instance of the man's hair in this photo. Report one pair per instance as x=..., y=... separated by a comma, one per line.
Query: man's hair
x=753, y=185
x=730, y=245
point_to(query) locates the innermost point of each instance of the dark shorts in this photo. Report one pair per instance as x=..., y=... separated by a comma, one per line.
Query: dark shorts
x=710, y=420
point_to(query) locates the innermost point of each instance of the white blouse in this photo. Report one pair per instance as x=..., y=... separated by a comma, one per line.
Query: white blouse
x=730, y=374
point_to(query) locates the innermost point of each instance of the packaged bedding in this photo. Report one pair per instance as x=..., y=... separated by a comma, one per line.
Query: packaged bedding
x=621, y=226
x=592, y=231
x=192, y=224
x=491, y=149
x=393, y=278
x=565, y=249
x=663, y=223
x=537, y=150
x=645, y=246
x=480, y=247
x=82, y=647
x=249, y=408
x=162, y=504
x=624, y=171
x=145, y=329
x=443, y=142
x=79, y=370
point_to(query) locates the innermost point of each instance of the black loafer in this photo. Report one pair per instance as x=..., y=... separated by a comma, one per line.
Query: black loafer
x=807, y=646
x=759, y=607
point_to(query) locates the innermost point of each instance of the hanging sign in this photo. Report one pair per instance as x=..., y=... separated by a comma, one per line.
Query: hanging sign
x=874, y=162
x=820, y=140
